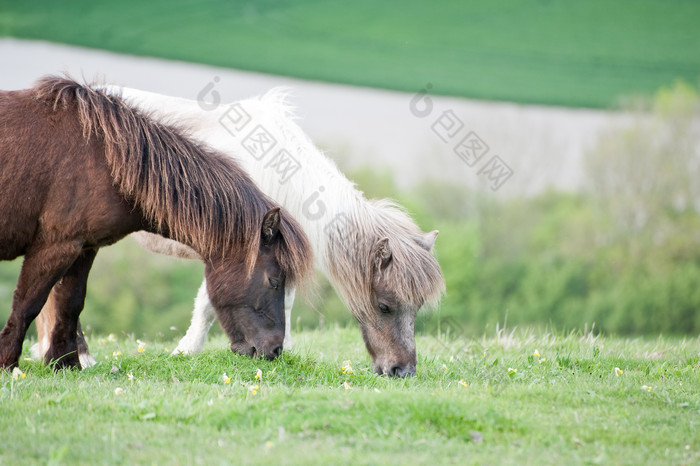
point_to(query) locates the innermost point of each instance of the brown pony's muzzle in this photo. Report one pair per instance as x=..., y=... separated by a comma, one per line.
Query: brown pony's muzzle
x=271, y=349
x=396, y=370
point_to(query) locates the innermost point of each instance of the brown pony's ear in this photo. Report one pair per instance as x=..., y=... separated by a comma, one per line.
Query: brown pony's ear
x=381, y=254
x=271, y=225
x=428, y=240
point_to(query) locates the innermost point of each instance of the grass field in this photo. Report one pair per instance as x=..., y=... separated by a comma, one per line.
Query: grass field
x=562, y=53
x=515, y=397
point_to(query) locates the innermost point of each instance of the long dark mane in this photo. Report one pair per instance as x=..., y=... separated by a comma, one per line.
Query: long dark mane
x=189, y=192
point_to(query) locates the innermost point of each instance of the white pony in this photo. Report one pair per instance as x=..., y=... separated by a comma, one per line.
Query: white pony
x=375, y=256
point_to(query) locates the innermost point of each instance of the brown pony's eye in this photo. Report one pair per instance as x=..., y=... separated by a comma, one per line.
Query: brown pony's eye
x=274, y=283
x=384, y=308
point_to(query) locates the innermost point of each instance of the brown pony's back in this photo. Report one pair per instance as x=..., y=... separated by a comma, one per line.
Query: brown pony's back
x=47, y=195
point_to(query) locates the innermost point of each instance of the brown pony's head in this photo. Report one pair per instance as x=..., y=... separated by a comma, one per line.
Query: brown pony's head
x=250, y=306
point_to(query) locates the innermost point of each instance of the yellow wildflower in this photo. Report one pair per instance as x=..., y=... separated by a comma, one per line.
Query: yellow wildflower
x=347, y=367
x=18, y=374
x=225, y=378
x=116, y=354
x=142, y=346
x=463, y=383
x=618, y=372
x=254, y=389
x=512, y=372
x=647, y=388
x=537, y=353
x=543, y=360
x=258, y=374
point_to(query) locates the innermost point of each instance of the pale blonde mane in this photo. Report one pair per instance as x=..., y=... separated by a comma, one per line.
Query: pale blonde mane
x=414, y=274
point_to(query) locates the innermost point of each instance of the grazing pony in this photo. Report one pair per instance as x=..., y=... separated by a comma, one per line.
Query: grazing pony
x=375, y=256
x=81, y=169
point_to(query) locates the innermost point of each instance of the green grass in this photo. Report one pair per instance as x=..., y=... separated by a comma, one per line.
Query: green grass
x=552, y=52
x=567, y=406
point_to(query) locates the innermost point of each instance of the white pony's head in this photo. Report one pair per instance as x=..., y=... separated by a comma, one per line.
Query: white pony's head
x=384, y=269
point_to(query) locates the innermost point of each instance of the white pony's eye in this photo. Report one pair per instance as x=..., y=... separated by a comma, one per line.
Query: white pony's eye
x=384, y=308
x=274, y=283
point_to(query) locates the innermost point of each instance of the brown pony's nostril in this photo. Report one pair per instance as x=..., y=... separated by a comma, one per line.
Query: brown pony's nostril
x=274, y=353
x=398, y=371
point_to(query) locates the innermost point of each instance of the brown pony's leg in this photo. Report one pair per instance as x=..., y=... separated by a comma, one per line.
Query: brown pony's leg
x=42, y=267
x=86, y=359
x=45, y=322
x=69, y=299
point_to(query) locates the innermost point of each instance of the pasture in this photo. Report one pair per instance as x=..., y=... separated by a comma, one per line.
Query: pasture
x=510, y=397
x=562, y=53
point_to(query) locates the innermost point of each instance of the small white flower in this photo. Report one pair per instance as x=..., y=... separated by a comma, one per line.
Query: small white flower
x=118, y=391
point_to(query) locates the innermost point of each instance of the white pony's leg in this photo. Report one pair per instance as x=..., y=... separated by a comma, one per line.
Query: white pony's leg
x=86, y=360
x=288, y=303
x=203, y=316
x=39, y=349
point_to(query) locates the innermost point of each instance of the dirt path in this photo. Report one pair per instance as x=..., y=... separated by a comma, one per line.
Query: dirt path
x=537, y=147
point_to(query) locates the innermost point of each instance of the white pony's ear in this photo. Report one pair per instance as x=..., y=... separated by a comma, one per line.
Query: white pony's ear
x=381, y=254
x=271, y=225
x=428, y=240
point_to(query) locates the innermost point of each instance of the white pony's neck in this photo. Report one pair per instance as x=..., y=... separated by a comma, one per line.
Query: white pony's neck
x=292, y=171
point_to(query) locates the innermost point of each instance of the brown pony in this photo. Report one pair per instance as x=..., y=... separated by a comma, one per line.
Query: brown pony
x=80, y=169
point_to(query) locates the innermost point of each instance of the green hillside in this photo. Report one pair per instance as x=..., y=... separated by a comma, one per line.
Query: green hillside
x=550, y=52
